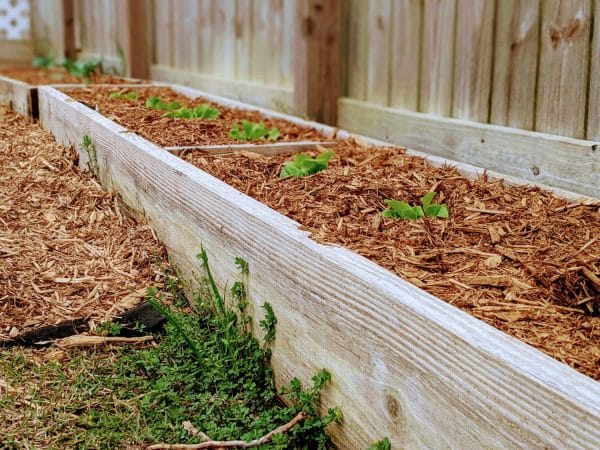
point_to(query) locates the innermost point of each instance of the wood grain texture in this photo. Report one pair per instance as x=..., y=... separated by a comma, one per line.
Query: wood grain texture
x=358, y=49
x=405, y=54
x=278, y=148
x=473, y=59
x=46, y=27
x=18, y=95
x=378, y=59
x=404, y=364
x=243, y=39
x=556, y=161
x=16, y=52
x=563, y=73
x=258, y=94
x=437, y=57
x=162, y=32
x=317, y=69
x=593, y=119
x=515, y=63
x=223, y=22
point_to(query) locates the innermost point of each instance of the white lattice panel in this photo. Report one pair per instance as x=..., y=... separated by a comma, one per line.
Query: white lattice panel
x=15, y=21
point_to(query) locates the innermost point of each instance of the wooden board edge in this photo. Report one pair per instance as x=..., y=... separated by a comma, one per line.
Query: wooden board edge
x=555, y=161
x=557, y=406
x=19, y=96
x=278, y=98
x=279, y=148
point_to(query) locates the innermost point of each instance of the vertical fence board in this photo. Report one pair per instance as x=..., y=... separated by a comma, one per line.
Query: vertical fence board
x=405, y=58
x=437, y=57
x=563, y=74
x=243, y=39
x=358, y=50
x=593, y=120
x=286, y=64
x=206, y=59
x=515, y=63
x=378, y=70
x=260, y=41
x=223, y=20
x=473, y=59
x=162, y=35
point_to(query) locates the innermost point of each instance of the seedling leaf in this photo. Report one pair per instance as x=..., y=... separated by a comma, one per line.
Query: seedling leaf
x=250, y=131
x=303, y=165
x=402, y=210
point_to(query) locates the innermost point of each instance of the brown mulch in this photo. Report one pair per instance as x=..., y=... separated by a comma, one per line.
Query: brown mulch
x=167, y=132
x=37, y=76
x=67, y=249
x=518, y=258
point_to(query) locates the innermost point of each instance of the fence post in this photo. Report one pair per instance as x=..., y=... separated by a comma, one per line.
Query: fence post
x=68, y=23
x=317, y=57
x=135, y=37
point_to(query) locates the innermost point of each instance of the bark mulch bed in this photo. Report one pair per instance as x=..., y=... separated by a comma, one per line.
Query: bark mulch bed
x=518, y=258
x=168, y=132
x=67, y=249
x=34, y=76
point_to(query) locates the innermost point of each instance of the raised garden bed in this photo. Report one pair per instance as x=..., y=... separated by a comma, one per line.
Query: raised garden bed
x=179, y=135
x=433, y=375
x=18, y=85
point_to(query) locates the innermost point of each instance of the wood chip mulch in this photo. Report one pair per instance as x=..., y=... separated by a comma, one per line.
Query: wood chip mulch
x=67, y=248
x=167, y=132
x=518, y=258
x=36, y=77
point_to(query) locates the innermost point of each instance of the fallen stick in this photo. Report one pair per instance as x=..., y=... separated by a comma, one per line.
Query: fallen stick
x=239, y=444
x=80, y=340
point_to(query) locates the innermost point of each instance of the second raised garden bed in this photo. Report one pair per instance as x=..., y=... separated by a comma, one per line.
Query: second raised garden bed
x=431, y=375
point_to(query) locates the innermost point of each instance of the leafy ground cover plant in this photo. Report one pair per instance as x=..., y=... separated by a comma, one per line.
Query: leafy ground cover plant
x=251, y=131
x=76, y=67
x=401, y=210
x=304, y=165
x=43, y=62
x=221, y=384
x=131, y=95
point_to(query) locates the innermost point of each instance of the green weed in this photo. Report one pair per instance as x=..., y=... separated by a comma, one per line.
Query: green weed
x=304, y=165
x=402, y=210
x=250, y=131
x=90, y=149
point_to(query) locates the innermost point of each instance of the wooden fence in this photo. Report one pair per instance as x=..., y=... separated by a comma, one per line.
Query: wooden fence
x=462, y=79
x=15, y=31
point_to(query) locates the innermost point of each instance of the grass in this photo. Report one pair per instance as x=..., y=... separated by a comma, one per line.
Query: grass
x=109, y=398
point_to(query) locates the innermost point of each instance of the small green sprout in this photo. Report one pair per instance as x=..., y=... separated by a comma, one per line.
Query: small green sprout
x=132, y=95
x=203, y=111
x=268, y=323
x=45, y=62
x=156, y=103
x=383, y=444
x=304, y=165
x=402, y=210
x=79, y=68
x=251, y=131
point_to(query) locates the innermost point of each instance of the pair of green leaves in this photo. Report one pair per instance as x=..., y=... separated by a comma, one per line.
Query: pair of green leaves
x=175, y=110
x=402, y=210
x=79, y=68
x=251, y=131
x=132, y=95
x=304, y=165
x=156, y=103
x=203, y=111
x=43, y=62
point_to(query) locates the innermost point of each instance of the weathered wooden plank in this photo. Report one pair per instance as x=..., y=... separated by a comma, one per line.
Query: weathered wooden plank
x=425, y=374
x=286, y=60
x=243, y=39
x=223, y=18
x=378, y=69
x=593, y=119
x=437, y=57
x=206, y=40
x=259, y=94
x=562, y=162
x=16, y=52
x=563, y=74
x=515, y=63
x=260, y=40
x=317, y=70
x=405, y=54
x=46, y=28
x=68, y=29
x=278, y=148
x=358, y=49
x=19, y=96
x=162, y=32
x=473, y=60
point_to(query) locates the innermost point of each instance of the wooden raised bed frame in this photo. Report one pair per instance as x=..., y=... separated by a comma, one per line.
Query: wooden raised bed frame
x=405, y=364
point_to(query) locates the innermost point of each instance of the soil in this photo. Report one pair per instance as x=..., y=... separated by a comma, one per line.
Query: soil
x=68, y=250
x=34, y=76
x=517, y=257
x=168, y=132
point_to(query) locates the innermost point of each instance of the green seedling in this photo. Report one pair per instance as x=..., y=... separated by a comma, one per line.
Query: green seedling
x=132, y=95
x=109, y=328
x=81, y=69
x=251, y=131
x=304, y=165
x=156, y=103
x=268, y=323
x=90, y=149
x=402, y=210
x=203, y=111
x=383, y=444
x=43, y=62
